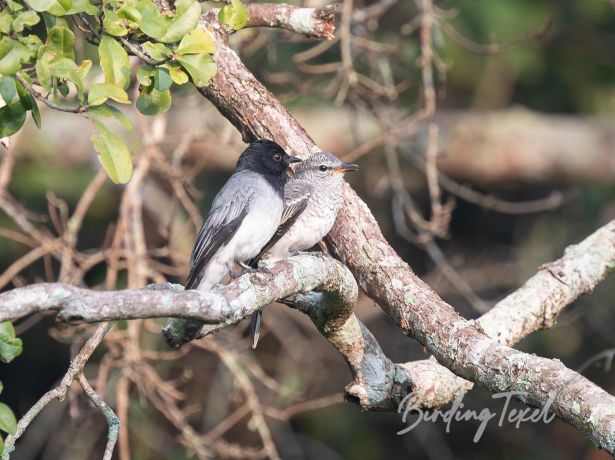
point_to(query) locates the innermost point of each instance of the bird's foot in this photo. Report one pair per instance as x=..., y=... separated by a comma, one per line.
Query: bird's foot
x=164, y=286
x=245, y=266
x=235, y=272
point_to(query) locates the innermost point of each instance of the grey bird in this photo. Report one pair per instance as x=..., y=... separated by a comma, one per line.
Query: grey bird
x=312, y=200
x=244, y=215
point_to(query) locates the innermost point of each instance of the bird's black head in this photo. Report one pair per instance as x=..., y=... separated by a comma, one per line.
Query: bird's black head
x=266, y=157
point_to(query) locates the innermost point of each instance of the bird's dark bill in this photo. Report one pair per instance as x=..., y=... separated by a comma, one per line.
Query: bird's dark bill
x=294, y=160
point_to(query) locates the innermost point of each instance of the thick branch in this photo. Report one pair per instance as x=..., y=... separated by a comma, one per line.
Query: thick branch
x=534, y=306
x=460, y=345
x=241, y=98
x=228, y=304
x=377, y=383
x=311, y=22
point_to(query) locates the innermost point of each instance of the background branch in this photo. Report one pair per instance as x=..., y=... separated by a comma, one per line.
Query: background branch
x=311, y=22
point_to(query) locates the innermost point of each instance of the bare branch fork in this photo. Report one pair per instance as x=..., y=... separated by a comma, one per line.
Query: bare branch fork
x=75, y=372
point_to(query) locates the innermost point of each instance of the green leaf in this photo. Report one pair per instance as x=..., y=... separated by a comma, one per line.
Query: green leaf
x=162, y=79
x=178, y=76
x=29, y=103
x=52, y=21
x=63, y=89
x=32, y=42
x=145, y=74
x=10, y=123
x=60, y=7
x=6, y=21
x=66, y=7
x=113, y=24
x=107, y=110
x=186, y=19
x=43, y=72
x=195, y=42
x=234, y=15
x=84, y=68
x=1, y=445
x=41, y=5
x=130, y=13
x=114, y=62
x=99, y=94
x=7, y=419
x=154, y=102
x=25, y=19
x=25, y=98
x=152, y=23
x=14, y=6
x=201, y=67
x=66, y=69
x=12, y=55
x=61, y=42
x=157, y=51
x=113, y=155
x=8, y=91
x=35, y=112
x=10, y=346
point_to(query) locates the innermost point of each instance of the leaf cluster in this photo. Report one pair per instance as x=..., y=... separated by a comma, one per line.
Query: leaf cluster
x=37, y=50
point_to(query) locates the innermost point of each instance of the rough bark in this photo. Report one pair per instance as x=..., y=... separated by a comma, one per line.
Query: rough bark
x=311, y=22
x=228, y=304
x=534, y=306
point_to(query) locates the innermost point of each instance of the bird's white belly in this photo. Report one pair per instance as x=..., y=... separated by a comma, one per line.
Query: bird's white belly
x=253, y=233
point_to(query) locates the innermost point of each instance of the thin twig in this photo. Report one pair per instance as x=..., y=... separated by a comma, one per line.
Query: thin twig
x=59, y=392
x=112, y=420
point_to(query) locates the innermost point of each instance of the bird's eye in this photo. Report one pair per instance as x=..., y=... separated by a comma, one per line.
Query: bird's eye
x=323, y=168
x=277, y=157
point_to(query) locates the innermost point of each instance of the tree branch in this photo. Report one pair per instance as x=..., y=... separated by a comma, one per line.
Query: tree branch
x=59, y=392
x=534, y=306
x=112, y=420
x=311, y=22
x=228, y=304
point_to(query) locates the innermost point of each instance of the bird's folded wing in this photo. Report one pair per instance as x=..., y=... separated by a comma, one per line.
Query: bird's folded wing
x=222, y=223
x=295, y=201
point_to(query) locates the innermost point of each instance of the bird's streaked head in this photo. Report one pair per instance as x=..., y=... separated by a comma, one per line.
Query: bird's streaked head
x=325, y=166
x=266, y=157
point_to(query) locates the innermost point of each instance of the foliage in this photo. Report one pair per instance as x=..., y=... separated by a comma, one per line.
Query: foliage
x=10, y=348
x=37, y=47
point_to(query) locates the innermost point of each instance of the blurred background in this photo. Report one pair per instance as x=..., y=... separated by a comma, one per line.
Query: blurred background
x=520, y=121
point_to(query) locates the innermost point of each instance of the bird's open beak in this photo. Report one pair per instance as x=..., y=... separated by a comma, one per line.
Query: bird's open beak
x=292, y=160
x=346, y=167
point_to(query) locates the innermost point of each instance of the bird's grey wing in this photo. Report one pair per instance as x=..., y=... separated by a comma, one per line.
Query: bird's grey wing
x=296, y=198
x=229, y=209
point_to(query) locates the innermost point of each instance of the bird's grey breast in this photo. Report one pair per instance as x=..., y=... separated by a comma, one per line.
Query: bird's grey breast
x=318, y=218
x=262, y=219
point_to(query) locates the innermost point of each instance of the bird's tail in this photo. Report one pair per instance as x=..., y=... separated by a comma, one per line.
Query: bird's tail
x=255, y=327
